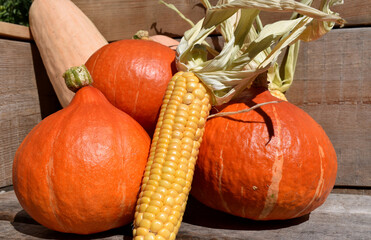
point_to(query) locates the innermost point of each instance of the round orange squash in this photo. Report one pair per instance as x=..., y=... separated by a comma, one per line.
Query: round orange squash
x=133, y=75
x=79, y=170
x=274, y=162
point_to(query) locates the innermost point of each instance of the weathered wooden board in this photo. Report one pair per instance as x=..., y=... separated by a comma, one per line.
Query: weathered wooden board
x=26, y=96
x=343, y=216
x=332, y=83
x=119, y=19
x=19, y=101
x=14, y=31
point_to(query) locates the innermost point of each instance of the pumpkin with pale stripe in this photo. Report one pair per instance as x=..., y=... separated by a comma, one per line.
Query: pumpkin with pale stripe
x=79, y=170
x=272, y=163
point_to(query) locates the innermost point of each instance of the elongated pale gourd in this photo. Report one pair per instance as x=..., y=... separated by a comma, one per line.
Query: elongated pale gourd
x=65, y=37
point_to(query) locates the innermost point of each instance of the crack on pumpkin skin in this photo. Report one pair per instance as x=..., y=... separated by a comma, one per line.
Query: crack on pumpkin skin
x=123, y=205
x=320, y=185
x=135, y=103
x=243, y=207
x=220, y=176
x=220, y=180
x=121, y=185
x=114, y=85
x=273, y=190
x=52, y=197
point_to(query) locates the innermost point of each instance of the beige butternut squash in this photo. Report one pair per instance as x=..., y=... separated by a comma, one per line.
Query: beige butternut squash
x=65, y=37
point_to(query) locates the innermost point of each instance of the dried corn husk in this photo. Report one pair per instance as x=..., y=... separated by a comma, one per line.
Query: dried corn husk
x=248, y=50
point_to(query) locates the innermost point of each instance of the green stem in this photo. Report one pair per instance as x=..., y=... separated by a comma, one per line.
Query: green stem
x=77, y=77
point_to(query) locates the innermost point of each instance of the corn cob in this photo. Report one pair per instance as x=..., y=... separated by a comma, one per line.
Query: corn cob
x=169, y=171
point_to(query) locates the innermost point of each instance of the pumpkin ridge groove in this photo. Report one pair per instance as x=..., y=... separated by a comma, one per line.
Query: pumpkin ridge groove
x=273, y=190
x=49, y=170
x=319, y=188
x=220, y=180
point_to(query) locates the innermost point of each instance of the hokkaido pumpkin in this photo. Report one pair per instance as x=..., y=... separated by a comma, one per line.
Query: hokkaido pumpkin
x=133, y=75
x=79, y=170
x=275, y=162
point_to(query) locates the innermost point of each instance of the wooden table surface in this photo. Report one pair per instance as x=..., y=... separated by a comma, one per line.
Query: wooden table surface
x=343, y=216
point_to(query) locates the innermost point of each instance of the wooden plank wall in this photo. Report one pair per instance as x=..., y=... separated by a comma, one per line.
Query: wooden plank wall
x=19, y=102
x=118, y=19
x=332, y=82
x=333, y=85
x=26, y=94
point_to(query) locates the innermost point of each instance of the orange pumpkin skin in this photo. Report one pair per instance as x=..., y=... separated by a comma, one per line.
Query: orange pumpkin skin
x=79, y=170
x=133, y=75
x=272, y=163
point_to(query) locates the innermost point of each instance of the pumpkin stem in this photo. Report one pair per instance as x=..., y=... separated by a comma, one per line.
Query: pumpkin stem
x=77, y=77
x=141, y=34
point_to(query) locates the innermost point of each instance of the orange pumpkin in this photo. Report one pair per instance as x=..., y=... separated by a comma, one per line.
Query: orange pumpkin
x=79, y=170
x=274, y=162
x=133, y=75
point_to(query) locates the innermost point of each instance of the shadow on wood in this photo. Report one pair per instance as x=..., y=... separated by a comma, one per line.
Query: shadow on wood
x=49, y=102
x=174, y=35
x=24, y=224
x=201, y=215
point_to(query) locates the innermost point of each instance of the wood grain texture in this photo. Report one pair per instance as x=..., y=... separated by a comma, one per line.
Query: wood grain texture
x=332, y=83
x=14, y=31
x=119, y=19
x=19, y=101
x=343, y=216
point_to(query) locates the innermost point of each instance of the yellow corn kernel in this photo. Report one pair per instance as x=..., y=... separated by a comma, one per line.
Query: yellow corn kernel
x=169, y=226
x=142, y=231
x=156, y=203
x=149, y=216
x=191, y=86
x=156, y=226
x=169, y=201
x=159, y=237
x=180, y=181
x=142, y=207
x=162, y=217
x=172, y=193
x=170, y=164
x=168, y=170
x=145, y=223
x=164, y=233
x=153, y=209
x=174, y=218
x=150, y=236
x=161, y=190
x=155, y=177
x=177, y=187
x=168, y=175
x=177, y=134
